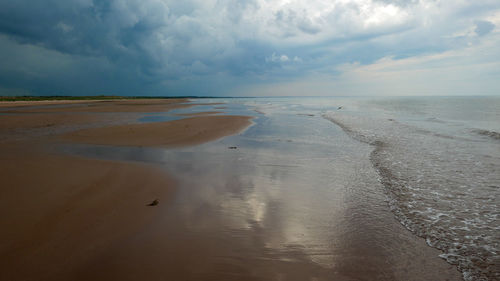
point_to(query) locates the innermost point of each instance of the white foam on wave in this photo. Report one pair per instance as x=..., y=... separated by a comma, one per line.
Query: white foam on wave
x=439, y=187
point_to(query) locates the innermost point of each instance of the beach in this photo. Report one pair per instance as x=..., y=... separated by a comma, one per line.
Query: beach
x=261, y=191
x=62, y=212
x=249, y=140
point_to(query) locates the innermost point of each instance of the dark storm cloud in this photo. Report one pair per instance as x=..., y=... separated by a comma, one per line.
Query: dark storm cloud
x=167, y=47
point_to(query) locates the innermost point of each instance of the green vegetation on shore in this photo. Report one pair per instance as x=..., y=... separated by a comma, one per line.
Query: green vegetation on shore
x=49, y=98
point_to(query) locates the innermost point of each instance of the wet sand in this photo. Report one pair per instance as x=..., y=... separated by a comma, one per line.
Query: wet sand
x=23, y=119
x=132, y=105
x=40, y=103
x=189, y=131
x=200, y=113
x=288, y=211
x=43, y=120
x=268, y=210
x=62, y=213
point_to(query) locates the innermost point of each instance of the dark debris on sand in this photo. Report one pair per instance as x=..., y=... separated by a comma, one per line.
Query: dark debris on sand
x=154, y=203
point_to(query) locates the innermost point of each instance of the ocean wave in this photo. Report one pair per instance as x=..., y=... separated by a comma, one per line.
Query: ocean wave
x=438, y=188
x=492, y=134
x=435, y=120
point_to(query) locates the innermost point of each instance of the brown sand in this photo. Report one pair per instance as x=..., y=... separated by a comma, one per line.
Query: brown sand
x=139, y=105
x=45, y=102
x=42, y=120
x=189, y=131
x=30, y=115
x=71, y=218
x=62, y=214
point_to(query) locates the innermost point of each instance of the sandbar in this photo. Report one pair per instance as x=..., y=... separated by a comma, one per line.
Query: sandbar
x=188, y=131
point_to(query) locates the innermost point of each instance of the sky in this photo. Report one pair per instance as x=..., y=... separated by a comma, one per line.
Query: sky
x=249, y=47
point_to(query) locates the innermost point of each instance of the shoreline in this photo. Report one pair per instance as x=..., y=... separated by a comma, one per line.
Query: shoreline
x=271, y=209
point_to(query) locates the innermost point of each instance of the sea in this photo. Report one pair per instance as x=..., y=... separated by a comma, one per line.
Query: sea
x=326, y=184
x=438, y=159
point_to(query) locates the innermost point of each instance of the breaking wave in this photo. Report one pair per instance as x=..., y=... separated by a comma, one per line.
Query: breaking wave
x=491, y=134
x=445, y=189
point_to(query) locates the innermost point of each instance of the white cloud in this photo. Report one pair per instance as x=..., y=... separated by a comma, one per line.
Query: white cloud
x=277, y=58
x=473, y=70
x=254, y=41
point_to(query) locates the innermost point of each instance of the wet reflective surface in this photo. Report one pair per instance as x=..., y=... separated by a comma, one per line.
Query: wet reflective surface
x=297, y=200
x=439, y=161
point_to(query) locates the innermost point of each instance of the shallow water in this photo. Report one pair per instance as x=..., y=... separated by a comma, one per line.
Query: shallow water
x=299, y=199
x=439, y=161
